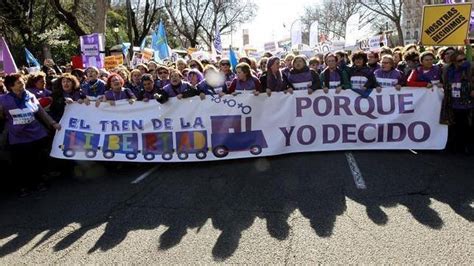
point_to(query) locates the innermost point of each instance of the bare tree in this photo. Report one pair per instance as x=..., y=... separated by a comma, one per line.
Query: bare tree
x=24, y=20
x=68, y=17
x=333, y=15
x=142, y=17
x=187, y=17
x=102, y=6
x=391, y=9
x=83, y=17
x=226, y=15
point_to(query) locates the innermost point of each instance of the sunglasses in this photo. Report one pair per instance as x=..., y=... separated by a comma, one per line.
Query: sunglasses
x=162, y=72
x=461, y=60
x=192, y=66
x=225, y=64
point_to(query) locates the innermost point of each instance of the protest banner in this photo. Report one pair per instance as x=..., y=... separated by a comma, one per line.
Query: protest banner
x=445, y=24
x=92, y=49
x=248, y=126
x=113, y=61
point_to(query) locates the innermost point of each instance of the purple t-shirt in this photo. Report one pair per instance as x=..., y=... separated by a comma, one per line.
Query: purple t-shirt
x=40, y=93
x=23, y=127
x=124, y=94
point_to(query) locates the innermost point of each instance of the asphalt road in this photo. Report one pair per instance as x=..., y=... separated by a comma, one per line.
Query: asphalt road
x=292, y=209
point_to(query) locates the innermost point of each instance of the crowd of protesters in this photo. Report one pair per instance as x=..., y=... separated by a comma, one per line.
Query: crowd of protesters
x=32, y=104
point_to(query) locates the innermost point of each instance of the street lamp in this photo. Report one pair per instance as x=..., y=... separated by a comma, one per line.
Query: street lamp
x=116, y=30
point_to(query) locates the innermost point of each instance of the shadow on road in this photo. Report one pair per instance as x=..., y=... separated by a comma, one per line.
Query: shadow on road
x=232, y=194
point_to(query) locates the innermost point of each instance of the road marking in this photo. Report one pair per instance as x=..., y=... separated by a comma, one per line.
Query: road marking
x=144, y=175
x=358, y=179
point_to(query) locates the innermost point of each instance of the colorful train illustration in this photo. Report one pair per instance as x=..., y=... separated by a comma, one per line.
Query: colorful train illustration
x=227, y=136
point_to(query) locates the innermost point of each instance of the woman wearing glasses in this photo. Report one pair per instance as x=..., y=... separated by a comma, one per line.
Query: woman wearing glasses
x=224, y=67
x=162, y=78
x=388, y=75
x=459, y=100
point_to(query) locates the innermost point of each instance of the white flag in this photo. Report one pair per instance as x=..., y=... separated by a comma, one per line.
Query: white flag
x=352, y=30
x=296, y=35
x=314, y=35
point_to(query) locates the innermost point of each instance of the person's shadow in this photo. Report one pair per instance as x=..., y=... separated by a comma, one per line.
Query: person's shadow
x=231, y=195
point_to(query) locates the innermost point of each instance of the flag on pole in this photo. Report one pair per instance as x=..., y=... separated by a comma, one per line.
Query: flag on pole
x=142, y=45
x=159, y=43
x=233, y=58
x=30, y=59
x=125, y=47
x=7, y=64
x=296, y=33
x=217, y=41
x=314, y=34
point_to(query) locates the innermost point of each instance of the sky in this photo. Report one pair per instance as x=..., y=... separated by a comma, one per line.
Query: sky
x=268, y=23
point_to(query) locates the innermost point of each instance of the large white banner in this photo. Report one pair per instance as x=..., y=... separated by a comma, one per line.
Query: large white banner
x=247, y=126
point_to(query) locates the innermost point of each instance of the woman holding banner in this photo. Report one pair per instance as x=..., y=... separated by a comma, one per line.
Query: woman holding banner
x=274, y=76
x=116, y=91
x=176, y=88
x=213, y=82
x=27, y=137
x=427, y=75
x=361, y=77
x=94, y=87
x=388, y=75
x=244, y=82
x=301, y=77
x=333, y=77
x=67, y=91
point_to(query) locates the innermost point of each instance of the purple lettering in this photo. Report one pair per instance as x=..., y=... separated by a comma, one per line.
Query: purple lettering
x=403, y=103
x=370, y=109
x=402, y=132
x=361, y=132
x=426, y=131
x=328, y=106
x=312, y=135
x=335, y=136
x=346, y=133
x=302, y=103
x=341, y=102
x=287, y=134
x=380, y=109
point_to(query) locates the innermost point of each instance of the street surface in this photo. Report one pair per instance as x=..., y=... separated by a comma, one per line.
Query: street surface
x=329, y=207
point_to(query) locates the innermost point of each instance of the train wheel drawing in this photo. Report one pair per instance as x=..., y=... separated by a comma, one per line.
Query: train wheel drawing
x=167, y=156
x=131, y=156
x=69, y=153
x=220, y=151
x=201, y=154
x=149, y=156
x=91, y=153
x=255, y=150
x=183, y=155
x=109, y=154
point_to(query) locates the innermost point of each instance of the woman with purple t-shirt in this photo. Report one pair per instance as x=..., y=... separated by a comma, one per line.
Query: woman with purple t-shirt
x=388, y=75
x=116, y=91
x=27, y=137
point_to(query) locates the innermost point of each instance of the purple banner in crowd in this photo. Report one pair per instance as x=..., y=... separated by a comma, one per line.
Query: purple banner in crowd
x=7, y=64
x=92, y=50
